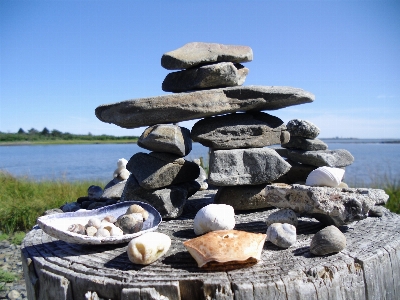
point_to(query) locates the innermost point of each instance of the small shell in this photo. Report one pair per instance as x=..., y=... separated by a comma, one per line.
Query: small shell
x=102, y=232
x=137, y=209
x=148, y=247
x=281, y=235
x=77, y=228
x=328, y=240
x=91, y=231
x=325, y=176
x=214, y=217
x=95, y=222
x=285, y=215
x=130, y=223
x=114, y=230
x=110, y=219
x=225, y=246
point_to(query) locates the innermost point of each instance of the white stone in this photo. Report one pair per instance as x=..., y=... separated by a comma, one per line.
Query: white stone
x=214, y=217
x=148, y=247
x=281, y=235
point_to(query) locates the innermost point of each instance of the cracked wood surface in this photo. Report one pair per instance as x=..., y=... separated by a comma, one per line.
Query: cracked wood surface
x=368, y=268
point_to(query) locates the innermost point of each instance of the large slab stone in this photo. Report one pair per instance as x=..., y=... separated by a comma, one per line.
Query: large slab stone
x=156, y=170
x=248, y=130
x=300, y=143
x=242, y=197
x=245, y=166
x=166, y=138
x=205, y=77
x=332, y=206
x=330, y=158
x=169, y=201
x=195, y=105
x=197, y=53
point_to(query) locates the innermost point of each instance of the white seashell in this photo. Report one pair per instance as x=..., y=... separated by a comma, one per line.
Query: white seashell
x=325, y=176
x=95, y=222
x=281, y=235
x=214, y=217
x=102, y=232
x=77, y=228
x=148, y=247
x=91, y=231
x=137, y=209
x=110, y=219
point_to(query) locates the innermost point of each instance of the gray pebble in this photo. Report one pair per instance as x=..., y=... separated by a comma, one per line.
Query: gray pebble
x=281, y=235
x=283, y=216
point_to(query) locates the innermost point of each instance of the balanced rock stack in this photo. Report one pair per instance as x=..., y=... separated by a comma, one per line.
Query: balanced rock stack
x=305, y=153
x=236, y=131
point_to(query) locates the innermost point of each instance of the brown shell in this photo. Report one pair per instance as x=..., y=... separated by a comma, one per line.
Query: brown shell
x=77, y=228
x=135, y=208
x=224, y=246
x=328, y=240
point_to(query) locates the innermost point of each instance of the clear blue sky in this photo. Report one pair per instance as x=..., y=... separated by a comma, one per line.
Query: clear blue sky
x=61, y=59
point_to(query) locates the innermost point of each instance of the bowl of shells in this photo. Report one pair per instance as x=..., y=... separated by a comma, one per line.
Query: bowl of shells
x=113, y=224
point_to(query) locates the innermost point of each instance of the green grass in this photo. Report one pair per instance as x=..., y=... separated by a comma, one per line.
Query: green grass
x=5, y=277
x=22, y=201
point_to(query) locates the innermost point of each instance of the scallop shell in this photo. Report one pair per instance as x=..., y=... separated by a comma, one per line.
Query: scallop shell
x=148, y=247
x=130, y=223
x=77, y=228
x=137, y=209
x=328, y=240
x=325, y=176
x=281, y=235
x=214, y=217
x=225, y=246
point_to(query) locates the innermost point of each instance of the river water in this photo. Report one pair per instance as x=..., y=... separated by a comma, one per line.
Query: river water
x=375, y=162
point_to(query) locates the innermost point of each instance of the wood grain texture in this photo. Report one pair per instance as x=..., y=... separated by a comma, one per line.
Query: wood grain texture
x=368, y=268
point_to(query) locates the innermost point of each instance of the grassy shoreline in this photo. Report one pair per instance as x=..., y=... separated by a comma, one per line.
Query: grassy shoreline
x=23, y=200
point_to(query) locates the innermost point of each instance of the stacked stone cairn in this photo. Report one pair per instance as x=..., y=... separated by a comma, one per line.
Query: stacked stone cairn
x=208, y=86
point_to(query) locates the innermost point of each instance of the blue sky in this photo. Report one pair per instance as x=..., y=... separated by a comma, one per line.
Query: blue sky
x=62, y=59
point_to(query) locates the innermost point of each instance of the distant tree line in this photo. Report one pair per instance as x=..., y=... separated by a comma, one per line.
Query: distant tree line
x=46, y=135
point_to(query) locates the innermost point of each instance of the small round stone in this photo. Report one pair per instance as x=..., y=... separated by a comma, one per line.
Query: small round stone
x=328, y=240
x=281, y=235
x=283, y=216
x=303, y=128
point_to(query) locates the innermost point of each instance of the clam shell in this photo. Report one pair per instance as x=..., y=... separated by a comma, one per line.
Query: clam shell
x=328, y=240
x=56, y=225
x=325, y=176
x=148, y=247
x=214, y=217
x=281, y=235
x=225, y=246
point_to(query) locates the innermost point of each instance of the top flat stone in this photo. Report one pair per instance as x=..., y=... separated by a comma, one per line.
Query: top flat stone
x=197, y=53
x=195, y=105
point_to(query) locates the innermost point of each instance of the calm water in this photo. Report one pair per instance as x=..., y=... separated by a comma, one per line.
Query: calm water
x=373, y=160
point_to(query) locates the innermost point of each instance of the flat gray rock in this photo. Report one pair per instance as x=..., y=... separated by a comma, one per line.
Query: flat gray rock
x=195, y=105
x=300, y=143
x=302, y=128
x=197, y=53
x=240, y=130
x=332, y=206
x=168, y=201
x=156, y=170
x=166, y=138
x=242, y=197
x=330, y=158
x=245, y=166
x=205, y=77
x=114, y=191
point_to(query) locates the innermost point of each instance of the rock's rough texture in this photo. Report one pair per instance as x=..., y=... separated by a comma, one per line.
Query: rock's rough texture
x=239, y=130
x=245, y=166
x=328, y=240
x=281, y=235
x=302, y=128
x=297, y=173
x=169, y=201
x=242, y=197
x=332, y=206
x=114, y=191
x=166, y=138
x=156, y=169
x=205, y=77
x=330, y=158
x=298, y=142
x=283, y=216
x=197, y=53
x=189, y=106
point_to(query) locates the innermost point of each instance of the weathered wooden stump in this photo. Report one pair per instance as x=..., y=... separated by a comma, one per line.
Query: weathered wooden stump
x=369, y=267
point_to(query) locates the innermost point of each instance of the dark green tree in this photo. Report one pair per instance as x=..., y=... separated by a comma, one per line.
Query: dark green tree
x=21, y=131
x=45, y=131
